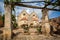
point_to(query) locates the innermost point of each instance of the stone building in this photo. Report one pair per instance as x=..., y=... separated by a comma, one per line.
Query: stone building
x=55, y=23
x=34, y=23
x=23, y=18
x=28, y=20
x=34, y=20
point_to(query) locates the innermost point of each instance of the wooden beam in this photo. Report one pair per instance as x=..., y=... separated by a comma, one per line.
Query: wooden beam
x=36, y=7
x=23, y=5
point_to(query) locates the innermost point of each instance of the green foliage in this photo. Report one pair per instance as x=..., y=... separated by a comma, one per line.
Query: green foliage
x=25, y=27
x=1, y=21
x=47, y=0
x=3, y=18
x=39, y=29
x=11, y=1
x=13, y=18
x=14, y=21
x=15, y=25
x=18, y=0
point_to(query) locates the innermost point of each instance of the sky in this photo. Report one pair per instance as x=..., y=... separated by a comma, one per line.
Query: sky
x=18, y=9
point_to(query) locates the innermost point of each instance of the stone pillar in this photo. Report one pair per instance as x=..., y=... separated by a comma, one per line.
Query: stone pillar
x=7, y=26
x=45, y=22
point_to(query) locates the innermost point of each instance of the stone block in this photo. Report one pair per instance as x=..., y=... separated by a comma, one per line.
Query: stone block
x=33, y=31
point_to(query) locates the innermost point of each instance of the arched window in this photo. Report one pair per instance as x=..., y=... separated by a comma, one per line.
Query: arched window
x=33, y=15
x=24, y=14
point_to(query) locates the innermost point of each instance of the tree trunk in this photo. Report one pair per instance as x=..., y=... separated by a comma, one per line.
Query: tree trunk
x=7, y=26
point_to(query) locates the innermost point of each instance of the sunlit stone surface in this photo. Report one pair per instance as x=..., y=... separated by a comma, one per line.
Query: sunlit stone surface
x=7, y=27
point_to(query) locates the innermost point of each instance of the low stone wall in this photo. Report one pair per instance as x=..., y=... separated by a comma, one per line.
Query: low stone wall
x=32, y=37
x=35, y=37
x=1, y=36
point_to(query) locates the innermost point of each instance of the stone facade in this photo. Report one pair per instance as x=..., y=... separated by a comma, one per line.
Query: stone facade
x=34, y=19
x=22, y=20
x=34, y=23
x=30, y=20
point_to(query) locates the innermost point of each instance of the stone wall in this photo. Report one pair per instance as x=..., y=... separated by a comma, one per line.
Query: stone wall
x=35, y=37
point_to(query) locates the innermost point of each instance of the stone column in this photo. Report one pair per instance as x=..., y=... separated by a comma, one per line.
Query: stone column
x=45, y=22
x=7, y=26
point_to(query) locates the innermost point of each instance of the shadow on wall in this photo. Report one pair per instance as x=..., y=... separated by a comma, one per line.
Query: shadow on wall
x=57, y=32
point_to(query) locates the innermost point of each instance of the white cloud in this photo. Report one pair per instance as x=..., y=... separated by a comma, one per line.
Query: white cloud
x=29, y=10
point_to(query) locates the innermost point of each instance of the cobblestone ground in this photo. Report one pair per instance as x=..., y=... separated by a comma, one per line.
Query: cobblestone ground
x=35, y=37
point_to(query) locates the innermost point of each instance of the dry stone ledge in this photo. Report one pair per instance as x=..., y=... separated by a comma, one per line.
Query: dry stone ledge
x=33, y=31
x=35, y=37
x=20, y=30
